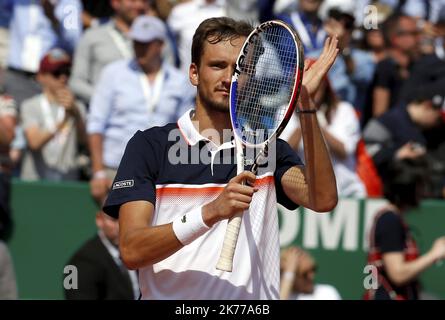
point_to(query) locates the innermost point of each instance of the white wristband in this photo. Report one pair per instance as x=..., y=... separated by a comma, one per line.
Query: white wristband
x=289, y=275
x=189, y=226
x=101, y=174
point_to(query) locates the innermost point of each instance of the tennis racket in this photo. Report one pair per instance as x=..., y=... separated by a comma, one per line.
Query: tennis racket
x=264, y=90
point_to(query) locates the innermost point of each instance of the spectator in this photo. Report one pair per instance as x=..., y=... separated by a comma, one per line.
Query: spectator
x=96, y=12
x=248, y=10
x=103, y=45
x=298, y=269
x=399, y=133
x=101, y=272
x=53, y=123
x=353, y=70
x=36, y=27
x=393, y=250
x=185, y=18
x=8, y=286
x=307, y=23
x=402, y=39
x=5, y=16
x=439, y=45
x=373, y=40
x=122, y=105
x=8, y=114
x=341, y=129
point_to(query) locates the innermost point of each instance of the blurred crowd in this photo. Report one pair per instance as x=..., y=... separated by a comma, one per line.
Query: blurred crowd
x=79, y=78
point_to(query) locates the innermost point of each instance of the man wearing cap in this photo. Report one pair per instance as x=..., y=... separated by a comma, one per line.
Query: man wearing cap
x=133, y=94
x=102, y=45
x=53, y=123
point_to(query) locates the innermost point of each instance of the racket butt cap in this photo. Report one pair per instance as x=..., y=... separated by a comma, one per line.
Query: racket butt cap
x=224, y=266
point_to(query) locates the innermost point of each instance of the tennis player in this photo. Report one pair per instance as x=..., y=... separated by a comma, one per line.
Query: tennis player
x=173, y=214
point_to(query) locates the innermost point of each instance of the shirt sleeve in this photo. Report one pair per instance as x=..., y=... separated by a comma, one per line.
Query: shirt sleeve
x=136, y=176
x=102, y=101
x=80, y=79
x=383, y=75
x=389, y=233
x=286, y=158
x=30, y=115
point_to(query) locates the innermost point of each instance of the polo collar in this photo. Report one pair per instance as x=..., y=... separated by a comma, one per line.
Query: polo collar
x=192, y=136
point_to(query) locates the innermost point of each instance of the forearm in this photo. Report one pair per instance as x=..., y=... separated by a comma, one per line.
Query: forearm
x=381, y=98
x=148, y=245
x=408, y=271
x=38, y=138
x=287, y=282
x=335, y=146
x=5, y=136
x=96, y=144
x=294, y=139
x=80, y=128
x=322, y=189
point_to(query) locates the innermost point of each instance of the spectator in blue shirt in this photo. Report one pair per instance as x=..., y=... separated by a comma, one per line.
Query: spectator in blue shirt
x=35, y=28
x=307, y=23
x=133, y=94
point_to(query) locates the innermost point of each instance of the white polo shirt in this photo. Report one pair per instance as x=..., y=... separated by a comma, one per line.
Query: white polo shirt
x=177, y=188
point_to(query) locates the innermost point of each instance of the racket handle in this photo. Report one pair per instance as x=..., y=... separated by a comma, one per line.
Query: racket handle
x=225, y=262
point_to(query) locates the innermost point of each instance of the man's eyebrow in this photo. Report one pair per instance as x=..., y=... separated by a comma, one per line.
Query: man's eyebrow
x=217, y=61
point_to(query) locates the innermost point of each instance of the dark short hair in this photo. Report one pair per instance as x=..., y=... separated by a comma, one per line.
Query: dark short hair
x=215, y=30
x=391, y=26
x=405, y=184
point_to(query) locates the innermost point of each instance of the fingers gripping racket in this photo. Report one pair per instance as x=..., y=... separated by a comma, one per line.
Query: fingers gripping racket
x=264, y=90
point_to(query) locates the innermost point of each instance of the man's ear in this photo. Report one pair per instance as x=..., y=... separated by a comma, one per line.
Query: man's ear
x=99, y=220
x=193, y=74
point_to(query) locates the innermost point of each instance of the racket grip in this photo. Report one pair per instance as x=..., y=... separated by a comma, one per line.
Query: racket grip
x=225, y=262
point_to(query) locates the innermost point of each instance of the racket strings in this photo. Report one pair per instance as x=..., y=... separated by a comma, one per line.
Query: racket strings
x=266, y=83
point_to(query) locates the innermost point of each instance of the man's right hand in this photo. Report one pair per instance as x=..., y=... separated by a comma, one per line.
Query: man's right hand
x=235, y=198
x=99, y=188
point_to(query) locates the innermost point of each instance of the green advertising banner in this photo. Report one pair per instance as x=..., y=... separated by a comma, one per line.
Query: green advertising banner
x=52, y=220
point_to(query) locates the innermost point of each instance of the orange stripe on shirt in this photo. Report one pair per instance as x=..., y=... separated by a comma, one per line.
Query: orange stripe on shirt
x=204, y=191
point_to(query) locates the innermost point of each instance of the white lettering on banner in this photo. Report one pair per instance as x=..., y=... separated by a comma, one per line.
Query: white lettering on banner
x=290, y=226
x=345, y=223
x=329, y=227
x=371, y=209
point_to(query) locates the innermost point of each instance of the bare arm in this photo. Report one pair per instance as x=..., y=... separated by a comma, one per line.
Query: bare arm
x=66, y=98
x=99, y=185
x=314, y=185
x=37, y=138
x=7, y=126
x=381, y=97
x=142, y=244
x=290, y=260
x=95, y=141
x=400, y=272
x=295, y=138
x=336, y=146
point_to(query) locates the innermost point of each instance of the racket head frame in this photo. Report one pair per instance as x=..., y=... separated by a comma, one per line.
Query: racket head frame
x=295, y=90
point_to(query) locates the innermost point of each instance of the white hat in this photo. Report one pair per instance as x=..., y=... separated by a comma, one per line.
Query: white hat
x=147, y=28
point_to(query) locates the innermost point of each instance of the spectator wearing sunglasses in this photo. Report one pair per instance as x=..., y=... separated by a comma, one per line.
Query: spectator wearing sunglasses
x=53, y=123
x=298, y=269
